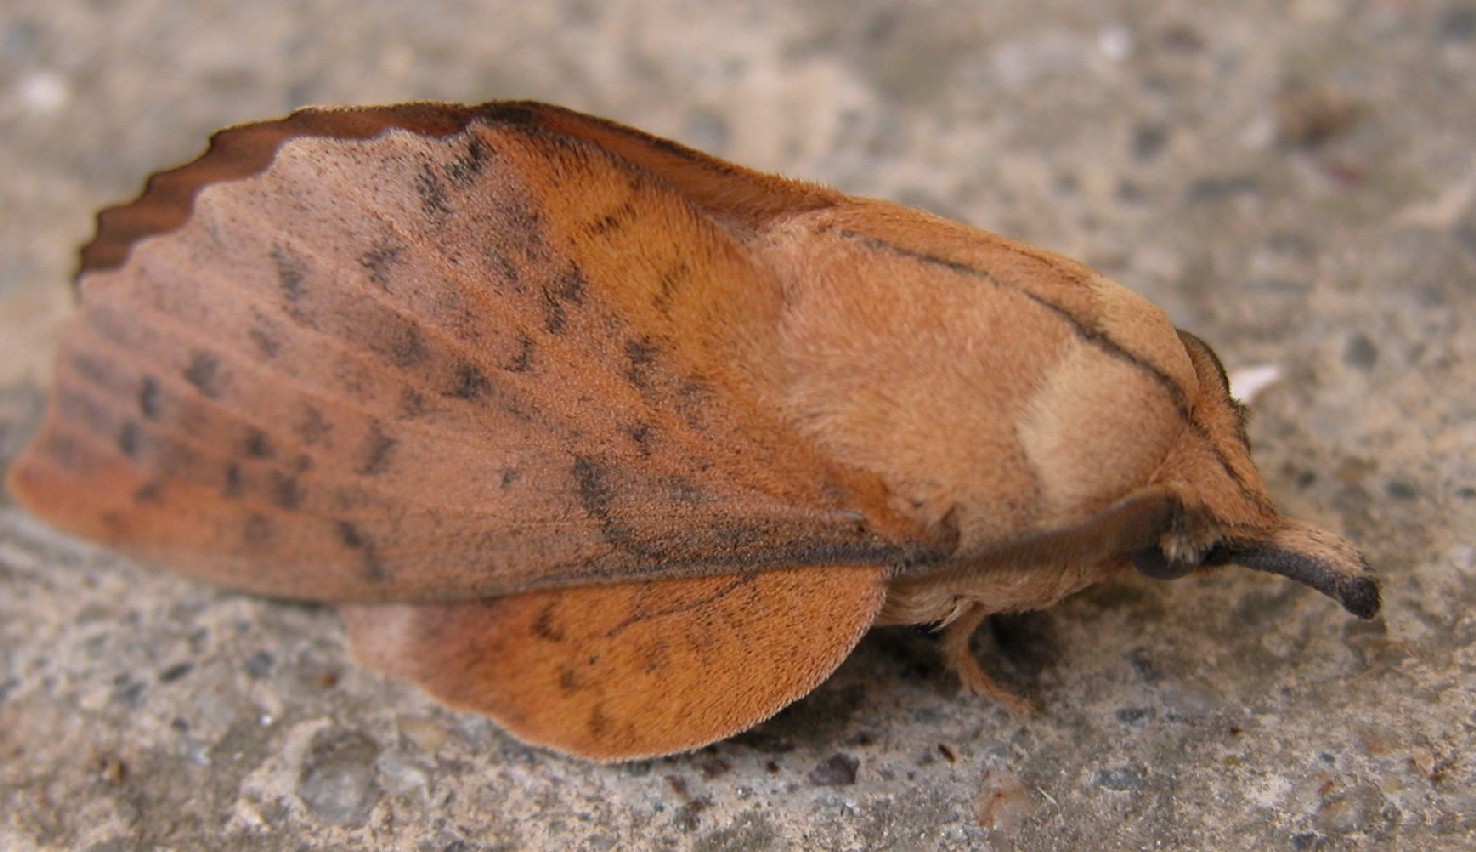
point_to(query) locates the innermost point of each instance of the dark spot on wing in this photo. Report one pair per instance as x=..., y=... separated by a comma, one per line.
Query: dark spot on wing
x=509, y=476
x=286, y=492
x=599, y=723
x=311, y=426
x=266, y=336
x=670, y=280
x=204, y=372
x=467, y=166
x=148, y=398
x=569, y=681
x=376, y=456
x=432, y=193
x=640, y=353
x=349, y=534
x=232, y=487
x=641, y=435
x=354, y=538
x=524, y=246
x=523, y=361
x=614, y=220
x=128, y=439
x=256, y=445
x=594, y=492
x=526, y=221
x=572, y=286
x=554, y=316
x=509, y=272
x=266, y=345
x=399, y=340
x=412, y=403
x=291, y=273
x=469, y=382
x=378, y=262
x=149, y=492
x=543, y=626
x=568, y=289
x=597, y=498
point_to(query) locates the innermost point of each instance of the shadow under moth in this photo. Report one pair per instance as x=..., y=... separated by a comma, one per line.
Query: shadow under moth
x=617, y=443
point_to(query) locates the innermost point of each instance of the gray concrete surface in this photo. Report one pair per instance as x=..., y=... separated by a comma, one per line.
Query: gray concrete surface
x=1295, y=181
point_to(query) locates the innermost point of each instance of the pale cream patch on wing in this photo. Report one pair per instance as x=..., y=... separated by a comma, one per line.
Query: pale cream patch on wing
x=1095, y=431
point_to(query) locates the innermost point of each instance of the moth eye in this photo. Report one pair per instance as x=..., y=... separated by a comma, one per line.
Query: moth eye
x=1151, y=562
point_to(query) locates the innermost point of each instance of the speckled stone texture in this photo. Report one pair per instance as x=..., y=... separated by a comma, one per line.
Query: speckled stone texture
x=1295, y=181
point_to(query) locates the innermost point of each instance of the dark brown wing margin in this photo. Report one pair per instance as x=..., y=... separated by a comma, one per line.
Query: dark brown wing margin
x=733, y=194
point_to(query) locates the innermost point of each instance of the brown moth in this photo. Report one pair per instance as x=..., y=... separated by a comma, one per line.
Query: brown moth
x=615, y=442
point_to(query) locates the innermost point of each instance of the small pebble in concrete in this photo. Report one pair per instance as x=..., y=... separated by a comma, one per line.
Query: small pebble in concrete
x=1360, y=353
x=1121, y=778
x=836, y=770
x=337, y=781
x=1003, y=804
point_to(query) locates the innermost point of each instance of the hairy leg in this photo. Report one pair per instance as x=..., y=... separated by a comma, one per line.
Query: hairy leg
x=960, y=658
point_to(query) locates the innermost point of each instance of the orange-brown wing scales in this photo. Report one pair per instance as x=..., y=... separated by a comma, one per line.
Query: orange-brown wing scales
x=427, y=367
x=629, y=671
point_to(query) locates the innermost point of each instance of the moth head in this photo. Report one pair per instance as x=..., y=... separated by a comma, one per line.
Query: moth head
x=1301, y=552
x=1220, y=513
